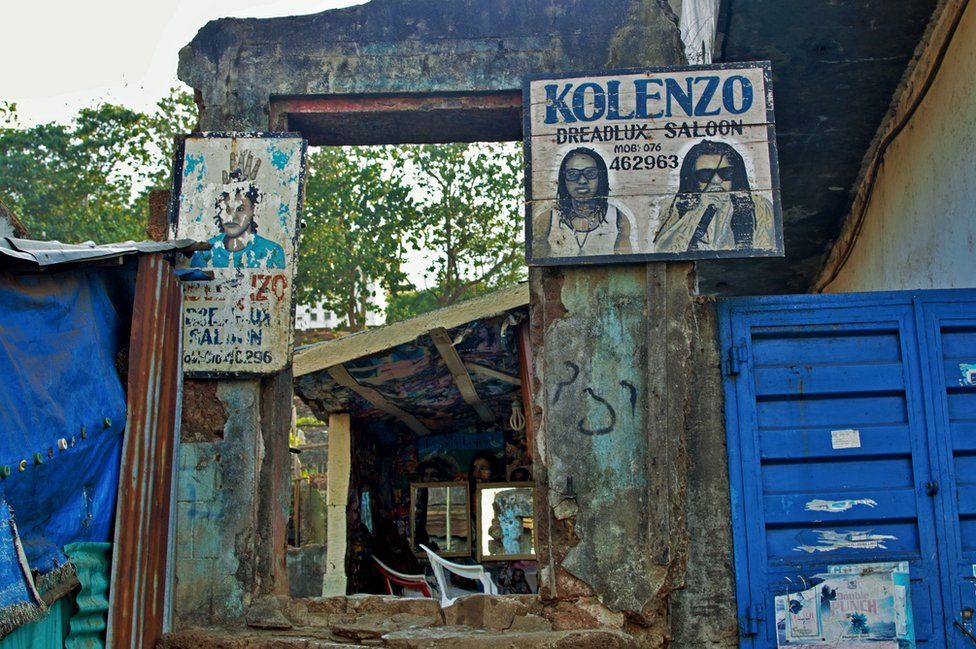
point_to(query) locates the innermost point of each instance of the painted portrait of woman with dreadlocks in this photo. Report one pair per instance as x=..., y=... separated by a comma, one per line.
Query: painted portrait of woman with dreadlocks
x=584, y=219
x=714, y=208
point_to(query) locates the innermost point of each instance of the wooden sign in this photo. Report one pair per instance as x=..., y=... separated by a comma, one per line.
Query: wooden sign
x=658, y=163
x=240, y=193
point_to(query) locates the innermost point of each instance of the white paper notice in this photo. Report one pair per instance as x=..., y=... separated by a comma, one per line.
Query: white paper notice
x=847, y=438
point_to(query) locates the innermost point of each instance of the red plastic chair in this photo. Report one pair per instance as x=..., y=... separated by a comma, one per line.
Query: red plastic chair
x=415, y=583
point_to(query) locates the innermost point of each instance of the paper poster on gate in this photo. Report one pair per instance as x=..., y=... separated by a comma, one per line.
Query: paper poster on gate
x=854, y=605
x=240, y=194
x=655, y=163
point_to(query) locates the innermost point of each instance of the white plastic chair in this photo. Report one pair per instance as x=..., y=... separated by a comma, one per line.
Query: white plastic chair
x=450, y=593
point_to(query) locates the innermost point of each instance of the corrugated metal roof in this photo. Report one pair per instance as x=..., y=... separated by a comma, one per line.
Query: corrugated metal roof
x=45, y=254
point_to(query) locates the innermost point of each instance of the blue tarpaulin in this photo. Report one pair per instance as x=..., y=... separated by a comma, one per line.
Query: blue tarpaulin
x=62, y=412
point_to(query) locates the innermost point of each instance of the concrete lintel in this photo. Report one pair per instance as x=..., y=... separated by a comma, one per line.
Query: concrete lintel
x=398, y=119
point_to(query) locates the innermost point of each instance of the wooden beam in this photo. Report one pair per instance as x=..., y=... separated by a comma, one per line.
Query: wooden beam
x=490, y=373
x=342, y=376
x=346, y=348
x=445, y=347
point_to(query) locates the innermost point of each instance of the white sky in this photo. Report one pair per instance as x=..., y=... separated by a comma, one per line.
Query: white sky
x=61, y=55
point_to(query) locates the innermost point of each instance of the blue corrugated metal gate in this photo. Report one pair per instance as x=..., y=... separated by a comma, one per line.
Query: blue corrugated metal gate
x=852, y=438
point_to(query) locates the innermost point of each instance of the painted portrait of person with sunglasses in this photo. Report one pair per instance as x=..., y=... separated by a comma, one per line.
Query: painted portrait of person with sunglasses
x=714, y=208
x=585, y=220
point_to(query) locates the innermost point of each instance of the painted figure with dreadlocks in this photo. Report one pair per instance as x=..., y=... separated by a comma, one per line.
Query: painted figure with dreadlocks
x=238, y=245
x=585, y=220
x=714, y=208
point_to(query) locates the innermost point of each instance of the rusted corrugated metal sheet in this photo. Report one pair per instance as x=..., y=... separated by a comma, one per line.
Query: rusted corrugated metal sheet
x=139, y=566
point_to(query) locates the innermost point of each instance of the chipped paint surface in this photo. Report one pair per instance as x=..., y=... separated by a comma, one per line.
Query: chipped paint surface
x=968, y=371
x=835, y=506
x=600, y=447
x=831, y=540
x=240, y=194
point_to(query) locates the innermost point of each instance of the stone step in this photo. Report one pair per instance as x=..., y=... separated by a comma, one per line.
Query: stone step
x=445, y=637
x=459, y=637
x=224, y=639
x=474, y=622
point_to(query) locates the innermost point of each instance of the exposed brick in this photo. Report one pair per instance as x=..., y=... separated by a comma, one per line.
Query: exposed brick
x=204, y=415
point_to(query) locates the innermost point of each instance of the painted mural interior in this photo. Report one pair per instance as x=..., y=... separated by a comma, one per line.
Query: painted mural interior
x=410, y=489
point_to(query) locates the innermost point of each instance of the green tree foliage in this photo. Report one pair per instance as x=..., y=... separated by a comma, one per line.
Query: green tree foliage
x=366, y=207
x=89, y=179
x=358, y=215
x=470, y=219
x=406, y=304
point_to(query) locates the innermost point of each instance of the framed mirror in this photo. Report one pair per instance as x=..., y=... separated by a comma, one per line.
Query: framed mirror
x=440, y=518
x=506, y=521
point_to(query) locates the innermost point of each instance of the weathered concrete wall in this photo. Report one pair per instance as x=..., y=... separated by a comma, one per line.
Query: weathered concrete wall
x=642, y=538
x=593, y=364
x=216, y=516
x=306, y=569
x=406, y=46
x=232, y=502
x=703, y=615
x=919, y=229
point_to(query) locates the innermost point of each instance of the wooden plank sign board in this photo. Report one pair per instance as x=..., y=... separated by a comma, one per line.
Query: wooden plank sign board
x=657, y=163
x=240, y=192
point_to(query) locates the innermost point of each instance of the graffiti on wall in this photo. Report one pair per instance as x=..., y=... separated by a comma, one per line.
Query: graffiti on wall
x=239, y=194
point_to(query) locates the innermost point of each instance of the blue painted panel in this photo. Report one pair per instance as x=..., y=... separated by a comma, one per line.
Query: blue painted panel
x=963, y=435
x=950, y=341
x=965, y=465
x=966, y=493
x=962, y=406
x=840, y=506
x=837, y=412
x=958, y=343
x=857, y=476
x=876, y=441
x=814, y=346
x=953, y=368
x=885, y=541
x=808, y=499
x=807, y=380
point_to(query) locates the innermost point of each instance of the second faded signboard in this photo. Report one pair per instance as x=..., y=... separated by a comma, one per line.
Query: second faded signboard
x=240, y=193
x=657, y=163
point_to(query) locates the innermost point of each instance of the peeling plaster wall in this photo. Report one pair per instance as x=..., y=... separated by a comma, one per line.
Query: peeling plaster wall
x=595, y=368
x=216, y=515
x=919, y=229
x=703, y=614
x=630, y=454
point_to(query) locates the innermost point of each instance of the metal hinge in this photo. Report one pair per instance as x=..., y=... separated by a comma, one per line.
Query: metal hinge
x=754, y=617
x=737, y=357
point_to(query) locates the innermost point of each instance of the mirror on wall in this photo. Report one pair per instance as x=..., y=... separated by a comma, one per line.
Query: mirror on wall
x=440, y=518
x=506, y=521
